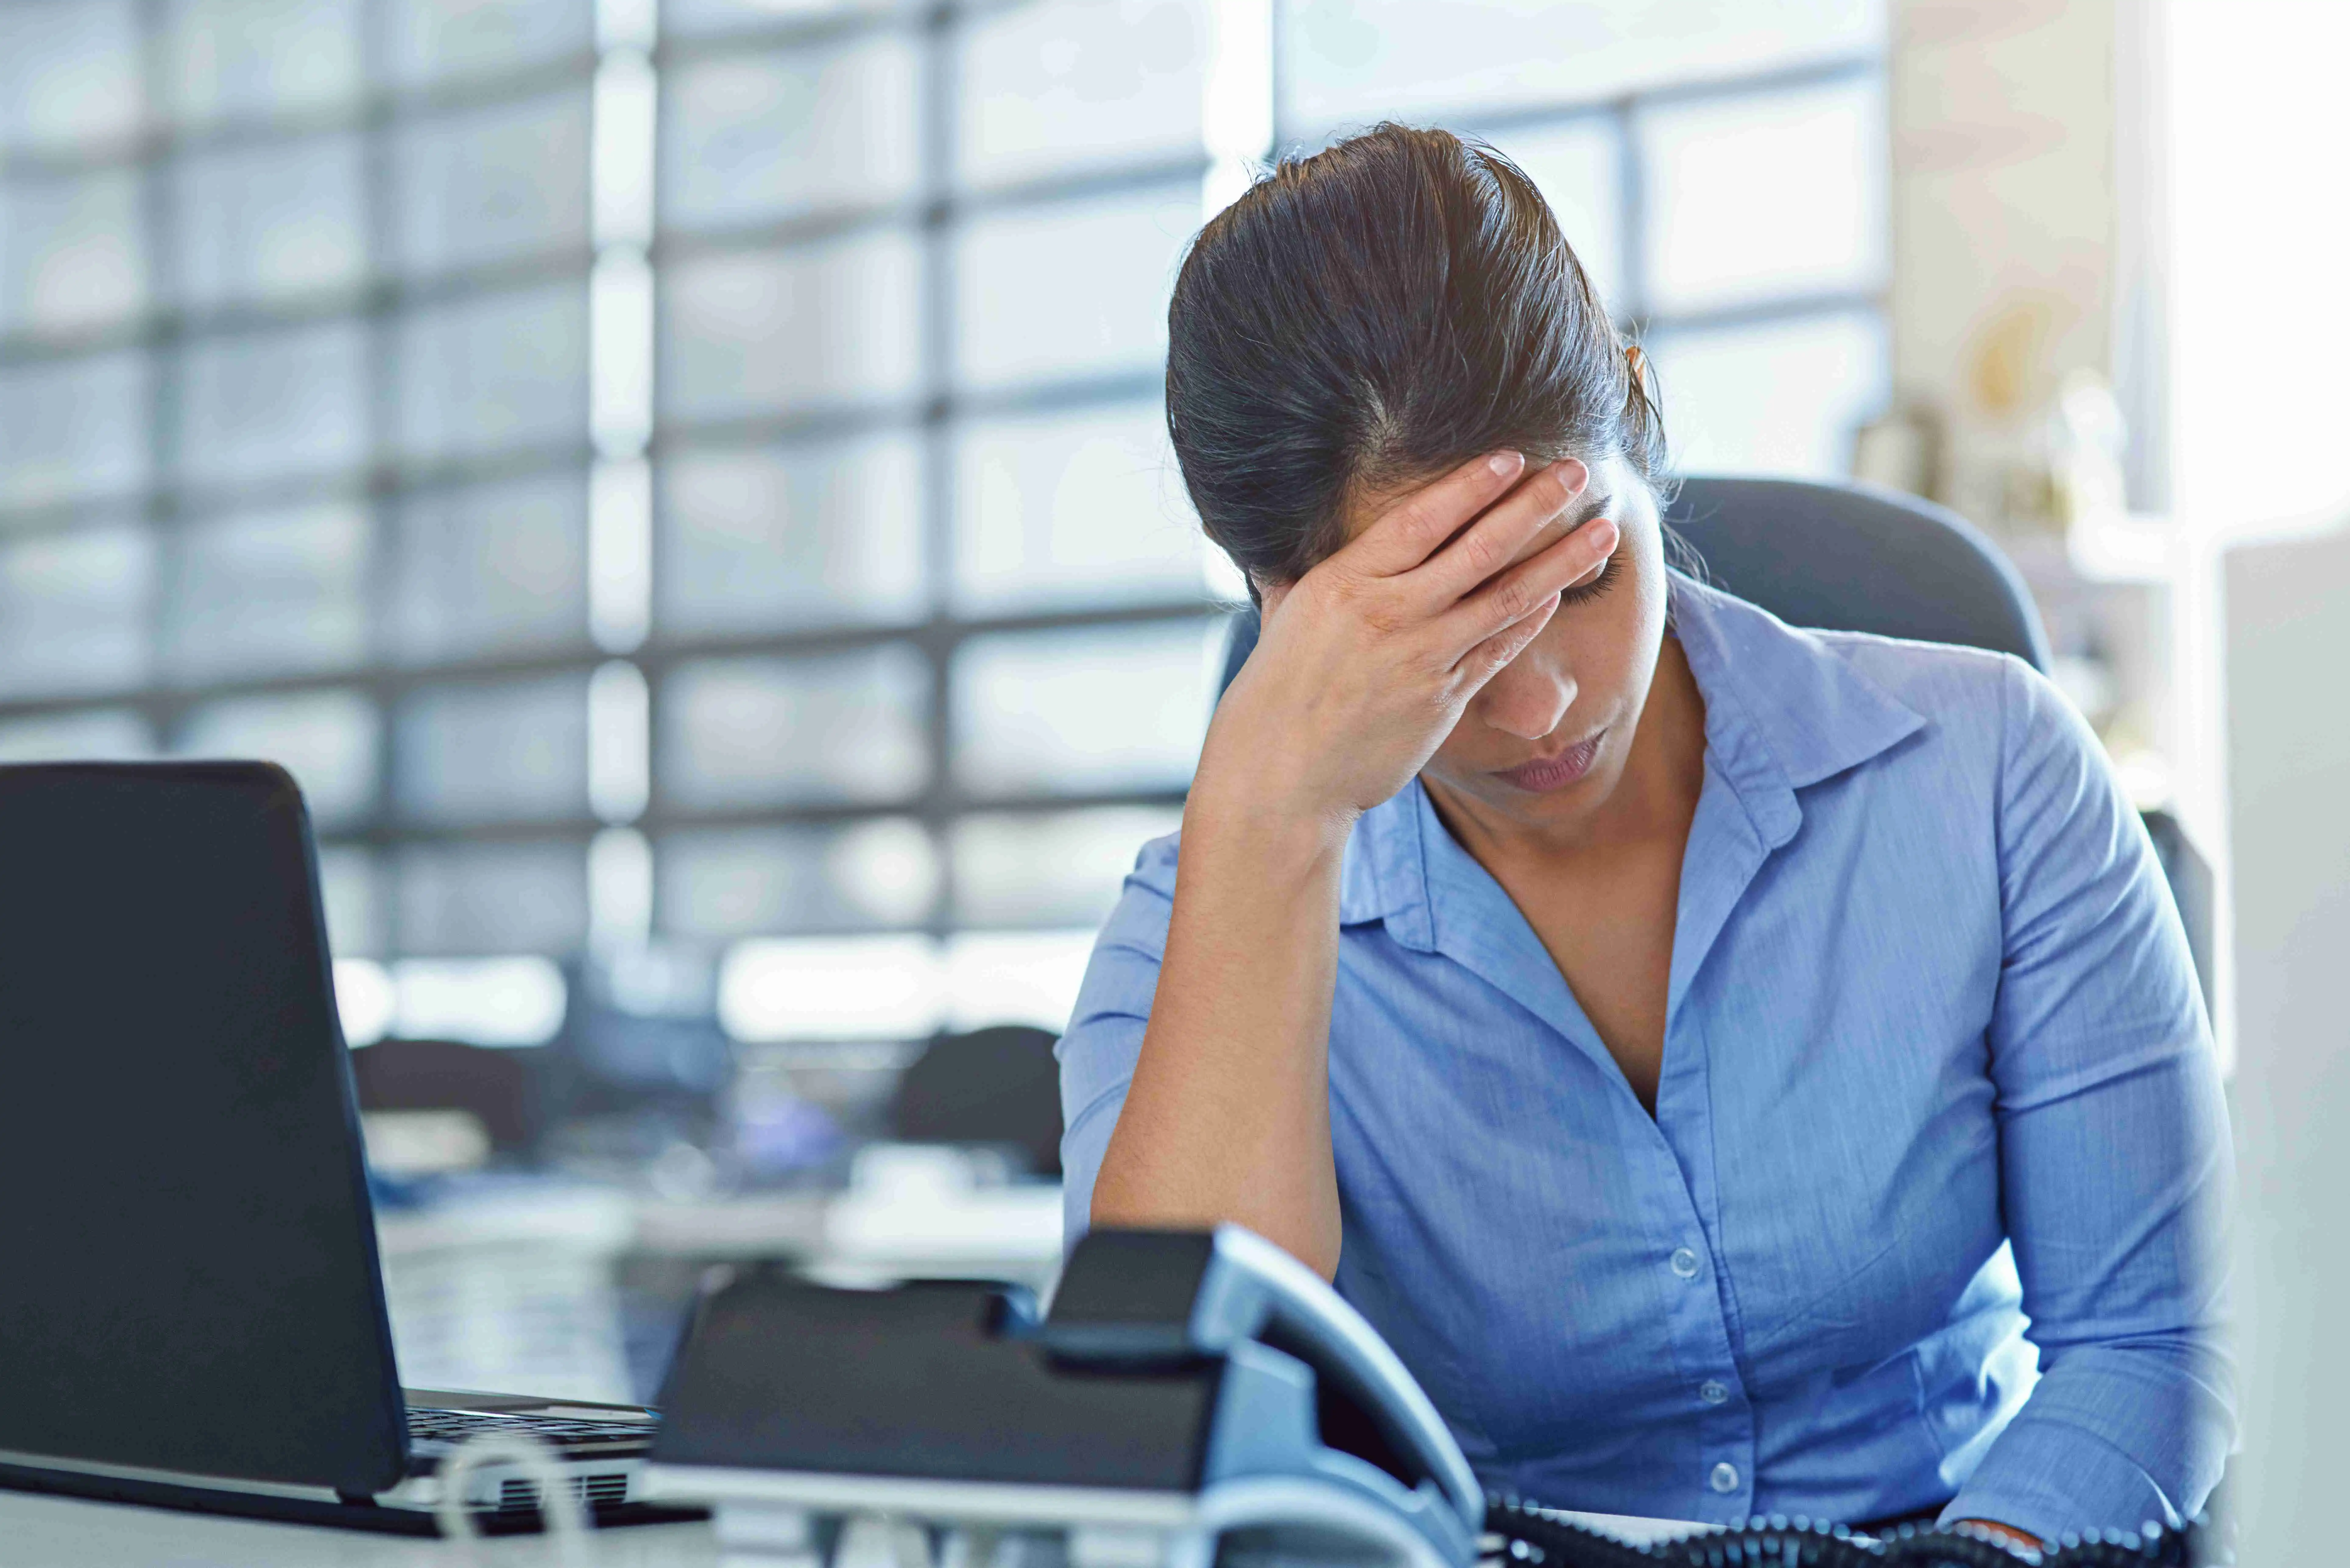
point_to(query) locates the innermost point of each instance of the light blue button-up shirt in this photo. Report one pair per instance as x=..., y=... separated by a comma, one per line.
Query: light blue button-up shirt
x=1928, y=1211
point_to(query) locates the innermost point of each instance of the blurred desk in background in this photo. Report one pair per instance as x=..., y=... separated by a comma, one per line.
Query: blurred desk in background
x=579, y=1290
x=511, y=1287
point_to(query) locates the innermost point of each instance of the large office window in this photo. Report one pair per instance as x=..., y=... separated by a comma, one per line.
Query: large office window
x=296, y=358
x=1720, y=172
x=694, y=477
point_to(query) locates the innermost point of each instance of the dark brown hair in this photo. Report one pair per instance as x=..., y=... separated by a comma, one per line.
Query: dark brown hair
x=1373, y=315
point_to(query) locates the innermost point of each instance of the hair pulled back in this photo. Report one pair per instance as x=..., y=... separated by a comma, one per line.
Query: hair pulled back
x=1373, y=315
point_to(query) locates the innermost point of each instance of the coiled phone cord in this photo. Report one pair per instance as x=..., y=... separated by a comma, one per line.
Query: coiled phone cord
x=1532, y=1538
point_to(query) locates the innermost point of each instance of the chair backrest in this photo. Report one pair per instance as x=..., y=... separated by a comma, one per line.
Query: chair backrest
x=1857, y=557
x=999, y=1086
x=1839, y=557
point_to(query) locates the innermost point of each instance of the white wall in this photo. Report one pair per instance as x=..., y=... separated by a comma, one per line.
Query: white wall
x=2004, y=211
x=2288, y=753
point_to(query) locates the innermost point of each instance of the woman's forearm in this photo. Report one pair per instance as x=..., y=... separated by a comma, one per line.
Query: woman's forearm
x=1227, y=1117
x=1364, y=666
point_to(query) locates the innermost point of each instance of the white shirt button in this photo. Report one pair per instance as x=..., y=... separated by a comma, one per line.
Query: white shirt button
x=1713, y=1391
x=1724, y=1478
x=1685, y=1262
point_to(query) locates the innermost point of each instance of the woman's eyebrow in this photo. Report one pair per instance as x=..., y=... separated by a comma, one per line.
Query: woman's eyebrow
x=1587, y=507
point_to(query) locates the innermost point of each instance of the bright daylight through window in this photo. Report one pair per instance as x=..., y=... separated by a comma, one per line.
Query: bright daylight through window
x=692, y=480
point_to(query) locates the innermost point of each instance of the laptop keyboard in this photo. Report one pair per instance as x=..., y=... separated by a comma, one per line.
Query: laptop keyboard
x=427, y=1425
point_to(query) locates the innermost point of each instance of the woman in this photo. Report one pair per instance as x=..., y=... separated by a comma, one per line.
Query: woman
x=1741, y=1070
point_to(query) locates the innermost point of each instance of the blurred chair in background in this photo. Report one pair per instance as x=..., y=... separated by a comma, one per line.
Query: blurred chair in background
x=434, y=1106
x=998, y=1088
x=2194, y=888
x=645, y=1061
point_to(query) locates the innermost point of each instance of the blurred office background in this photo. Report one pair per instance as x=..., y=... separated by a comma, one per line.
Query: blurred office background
x=685, y=492
x=682, y=486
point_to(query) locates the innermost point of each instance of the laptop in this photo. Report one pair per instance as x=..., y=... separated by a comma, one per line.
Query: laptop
x=191, y=1310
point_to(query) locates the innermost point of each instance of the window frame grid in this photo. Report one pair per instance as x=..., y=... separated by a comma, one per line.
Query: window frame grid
x=936, y=412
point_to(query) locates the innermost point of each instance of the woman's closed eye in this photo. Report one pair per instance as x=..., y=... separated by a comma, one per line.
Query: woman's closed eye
x=1586, y=588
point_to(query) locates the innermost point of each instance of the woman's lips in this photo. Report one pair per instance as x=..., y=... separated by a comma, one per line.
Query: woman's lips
x=1546, y=773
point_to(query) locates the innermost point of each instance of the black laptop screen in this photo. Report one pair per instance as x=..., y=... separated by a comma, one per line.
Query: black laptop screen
x=184, y=1232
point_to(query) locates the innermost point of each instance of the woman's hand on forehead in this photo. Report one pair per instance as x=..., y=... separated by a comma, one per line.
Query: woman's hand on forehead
x=1588, y=500
x=1464, y=529
x=1394, y=531
x=1367, y=662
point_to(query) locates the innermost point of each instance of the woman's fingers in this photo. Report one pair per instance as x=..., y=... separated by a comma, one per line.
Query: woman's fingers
x=1508, y=531
x=1412, y=529
x=1526, y=588
x=1493, y=656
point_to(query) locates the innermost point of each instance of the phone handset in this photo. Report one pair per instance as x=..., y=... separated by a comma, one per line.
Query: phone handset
x=1134, y=1297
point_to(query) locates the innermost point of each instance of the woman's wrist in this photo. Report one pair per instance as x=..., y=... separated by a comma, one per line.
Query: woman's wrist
x=1256, y=799
x=1275, y=837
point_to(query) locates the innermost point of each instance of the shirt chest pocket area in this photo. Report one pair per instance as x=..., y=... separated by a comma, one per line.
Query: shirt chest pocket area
x=1537, y=1329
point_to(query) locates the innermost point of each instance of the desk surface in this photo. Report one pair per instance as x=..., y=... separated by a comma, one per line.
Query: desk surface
x=63, y=1533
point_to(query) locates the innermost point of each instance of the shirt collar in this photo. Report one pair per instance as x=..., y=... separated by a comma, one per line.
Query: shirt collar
x=1385, y=875
x=1784, y=693
x=1784, y=710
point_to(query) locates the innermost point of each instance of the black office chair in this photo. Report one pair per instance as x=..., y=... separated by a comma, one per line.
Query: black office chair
x=1853, y=557
x=505, y=1090
x=1856, y=557
x=999, y=1087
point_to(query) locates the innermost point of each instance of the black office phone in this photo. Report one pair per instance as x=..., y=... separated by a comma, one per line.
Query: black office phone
x=1194, y=1399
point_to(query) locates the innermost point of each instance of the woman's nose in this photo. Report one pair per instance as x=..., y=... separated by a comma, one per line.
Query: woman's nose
x=1526, y=702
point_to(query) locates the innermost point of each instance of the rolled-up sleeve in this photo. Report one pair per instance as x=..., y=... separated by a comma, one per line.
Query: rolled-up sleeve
x=2116, y=1163
x=1103, y=1039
